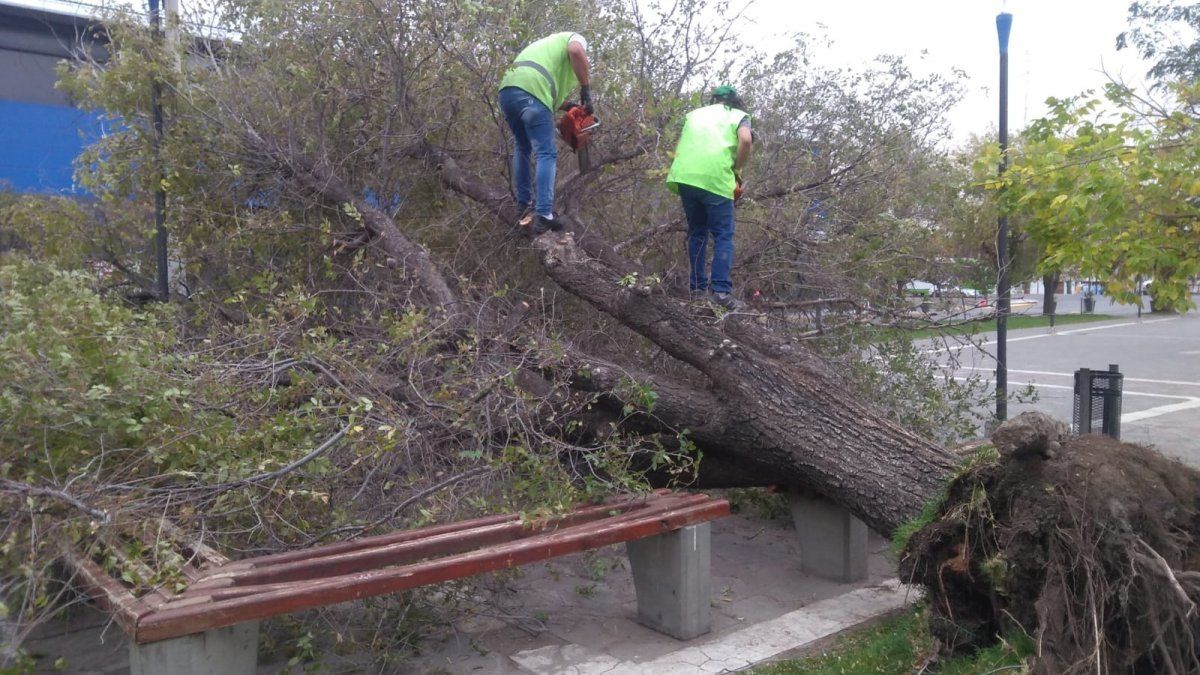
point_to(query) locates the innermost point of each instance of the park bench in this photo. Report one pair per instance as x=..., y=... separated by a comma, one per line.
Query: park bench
x=210, y=625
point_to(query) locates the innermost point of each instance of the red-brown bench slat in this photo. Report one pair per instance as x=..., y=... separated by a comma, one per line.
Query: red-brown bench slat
x=436, y=545
x=419, y=533
x=169, y=622
x=109, y=593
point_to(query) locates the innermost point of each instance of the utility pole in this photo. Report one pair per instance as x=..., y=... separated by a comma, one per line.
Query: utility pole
x=160, y=195
x=1003, y=28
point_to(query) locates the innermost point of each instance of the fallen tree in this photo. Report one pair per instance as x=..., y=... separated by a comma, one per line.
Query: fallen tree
x=357, y=170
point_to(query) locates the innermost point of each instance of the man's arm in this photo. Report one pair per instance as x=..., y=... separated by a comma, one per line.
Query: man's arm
x=743, y=148
x=579, y=62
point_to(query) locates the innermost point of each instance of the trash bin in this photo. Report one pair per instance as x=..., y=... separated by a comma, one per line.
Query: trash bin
x=1089, y=304
x=1098, y=401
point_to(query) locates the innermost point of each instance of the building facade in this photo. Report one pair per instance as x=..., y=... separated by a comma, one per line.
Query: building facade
x=41, y=132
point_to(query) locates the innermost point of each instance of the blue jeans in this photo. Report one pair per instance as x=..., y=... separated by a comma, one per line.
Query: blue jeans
x=532, y=126
x=708, y=214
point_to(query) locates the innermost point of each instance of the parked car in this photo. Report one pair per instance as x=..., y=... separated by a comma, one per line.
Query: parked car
x=962, y=292
x=919, y=288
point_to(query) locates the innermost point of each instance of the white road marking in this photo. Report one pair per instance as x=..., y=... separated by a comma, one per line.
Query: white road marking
x=1161, y=410
x=1185, y=402
x=1115, y=325
x=1046, y=372
x=941, y=350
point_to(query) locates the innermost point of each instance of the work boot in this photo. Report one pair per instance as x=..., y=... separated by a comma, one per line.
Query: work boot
x=727, y=301
x=543, y=223
x=526, y=218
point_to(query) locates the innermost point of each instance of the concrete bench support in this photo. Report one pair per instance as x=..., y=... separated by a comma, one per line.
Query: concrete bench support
x=220, y=651
x=671, y=576
x=833, y=543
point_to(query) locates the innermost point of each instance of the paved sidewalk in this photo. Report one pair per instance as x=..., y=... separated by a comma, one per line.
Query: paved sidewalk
x=736, y=650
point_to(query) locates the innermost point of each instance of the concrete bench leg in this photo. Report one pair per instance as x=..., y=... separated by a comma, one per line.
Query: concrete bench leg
x=671, y=576
x=222, y=651
x=833, y=543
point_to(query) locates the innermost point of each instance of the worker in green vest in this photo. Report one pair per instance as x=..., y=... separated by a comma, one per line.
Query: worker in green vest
x=538, y=82
x=706, y=174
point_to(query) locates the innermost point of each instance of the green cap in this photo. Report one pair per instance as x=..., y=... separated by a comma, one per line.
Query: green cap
x=724, y=90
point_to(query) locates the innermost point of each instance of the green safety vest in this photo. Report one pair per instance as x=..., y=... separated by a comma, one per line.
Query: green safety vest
x=544, y=70
x=706, y=150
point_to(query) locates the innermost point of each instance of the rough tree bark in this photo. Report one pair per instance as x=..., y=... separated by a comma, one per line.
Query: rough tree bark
x=1049, y=284
x=773, y=412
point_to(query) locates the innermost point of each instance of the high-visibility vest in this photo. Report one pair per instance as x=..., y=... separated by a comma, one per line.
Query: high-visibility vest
x=544, y=70
x=706, y=150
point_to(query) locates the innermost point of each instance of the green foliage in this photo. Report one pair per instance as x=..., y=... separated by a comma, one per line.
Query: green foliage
x=933, y=508
x=1168, y=31
x=892, y=371
x=82, y=377
x=1112, y=195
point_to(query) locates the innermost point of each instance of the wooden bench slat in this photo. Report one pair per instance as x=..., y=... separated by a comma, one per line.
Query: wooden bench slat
x=368, y=542
x=168, y=623
x=109, y=593
x=419, y=533
x=437, y=545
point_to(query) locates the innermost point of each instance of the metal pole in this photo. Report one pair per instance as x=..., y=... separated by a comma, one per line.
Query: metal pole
x=1112, y=402
x=1003, y=27
x=160, y=195
x=171, y=7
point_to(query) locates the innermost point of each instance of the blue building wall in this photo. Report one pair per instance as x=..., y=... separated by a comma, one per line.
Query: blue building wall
x=41, y=133
x=39, y=143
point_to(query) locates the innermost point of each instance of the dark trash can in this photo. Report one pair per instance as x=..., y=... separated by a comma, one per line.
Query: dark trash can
x=1098, y=401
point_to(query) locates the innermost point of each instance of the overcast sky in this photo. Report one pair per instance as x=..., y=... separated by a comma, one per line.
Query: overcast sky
x=1058, y=47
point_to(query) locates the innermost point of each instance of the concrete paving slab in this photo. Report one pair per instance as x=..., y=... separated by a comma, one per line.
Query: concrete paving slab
x=742, y=648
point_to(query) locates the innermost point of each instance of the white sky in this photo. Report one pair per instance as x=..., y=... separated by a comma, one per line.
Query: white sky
x=1057, y=47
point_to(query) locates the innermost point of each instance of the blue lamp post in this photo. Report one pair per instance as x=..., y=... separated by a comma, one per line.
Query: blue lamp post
x=1003, y=28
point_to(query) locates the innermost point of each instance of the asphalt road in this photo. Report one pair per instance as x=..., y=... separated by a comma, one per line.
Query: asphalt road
x=1158, y=354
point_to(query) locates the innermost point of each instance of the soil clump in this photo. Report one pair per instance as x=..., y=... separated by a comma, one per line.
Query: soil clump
x=1089, y=545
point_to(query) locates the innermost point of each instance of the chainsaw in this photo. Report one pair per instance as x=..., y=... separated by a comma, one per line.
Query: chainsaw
x=576, y=128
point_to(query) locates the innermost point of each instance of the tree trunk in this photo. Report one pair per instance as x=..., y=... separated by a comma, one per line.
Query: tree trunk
x=1049, y=285
x=774, y=404
x=773, y=412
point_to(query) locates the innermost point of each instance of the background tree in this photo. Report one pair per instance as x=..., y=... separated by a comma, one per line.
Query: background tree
x=338, y=181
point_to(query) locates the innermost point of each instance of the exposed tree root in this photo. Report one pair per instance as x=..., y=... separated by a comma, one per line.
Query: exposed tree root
x=1089, y=544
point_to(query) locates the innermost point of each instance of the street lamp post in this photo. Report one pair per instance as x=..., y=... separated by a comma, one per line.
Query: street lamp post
x=1003, y=27
x=162, y=288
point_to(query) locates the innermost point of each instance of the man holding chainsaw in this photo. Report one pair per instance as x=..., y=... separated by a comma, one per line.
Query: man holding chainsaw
x=706, y=174
x=537, y=83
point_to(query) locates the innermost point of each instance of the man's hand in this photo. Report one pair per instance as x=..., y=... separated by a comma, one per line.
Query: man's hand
x=585, y=98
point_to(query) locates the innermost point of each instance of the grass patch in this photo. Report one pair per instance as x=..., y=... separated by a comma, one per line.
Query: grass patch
x=1015, y=322
x=985, y=453
x=901, y=644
